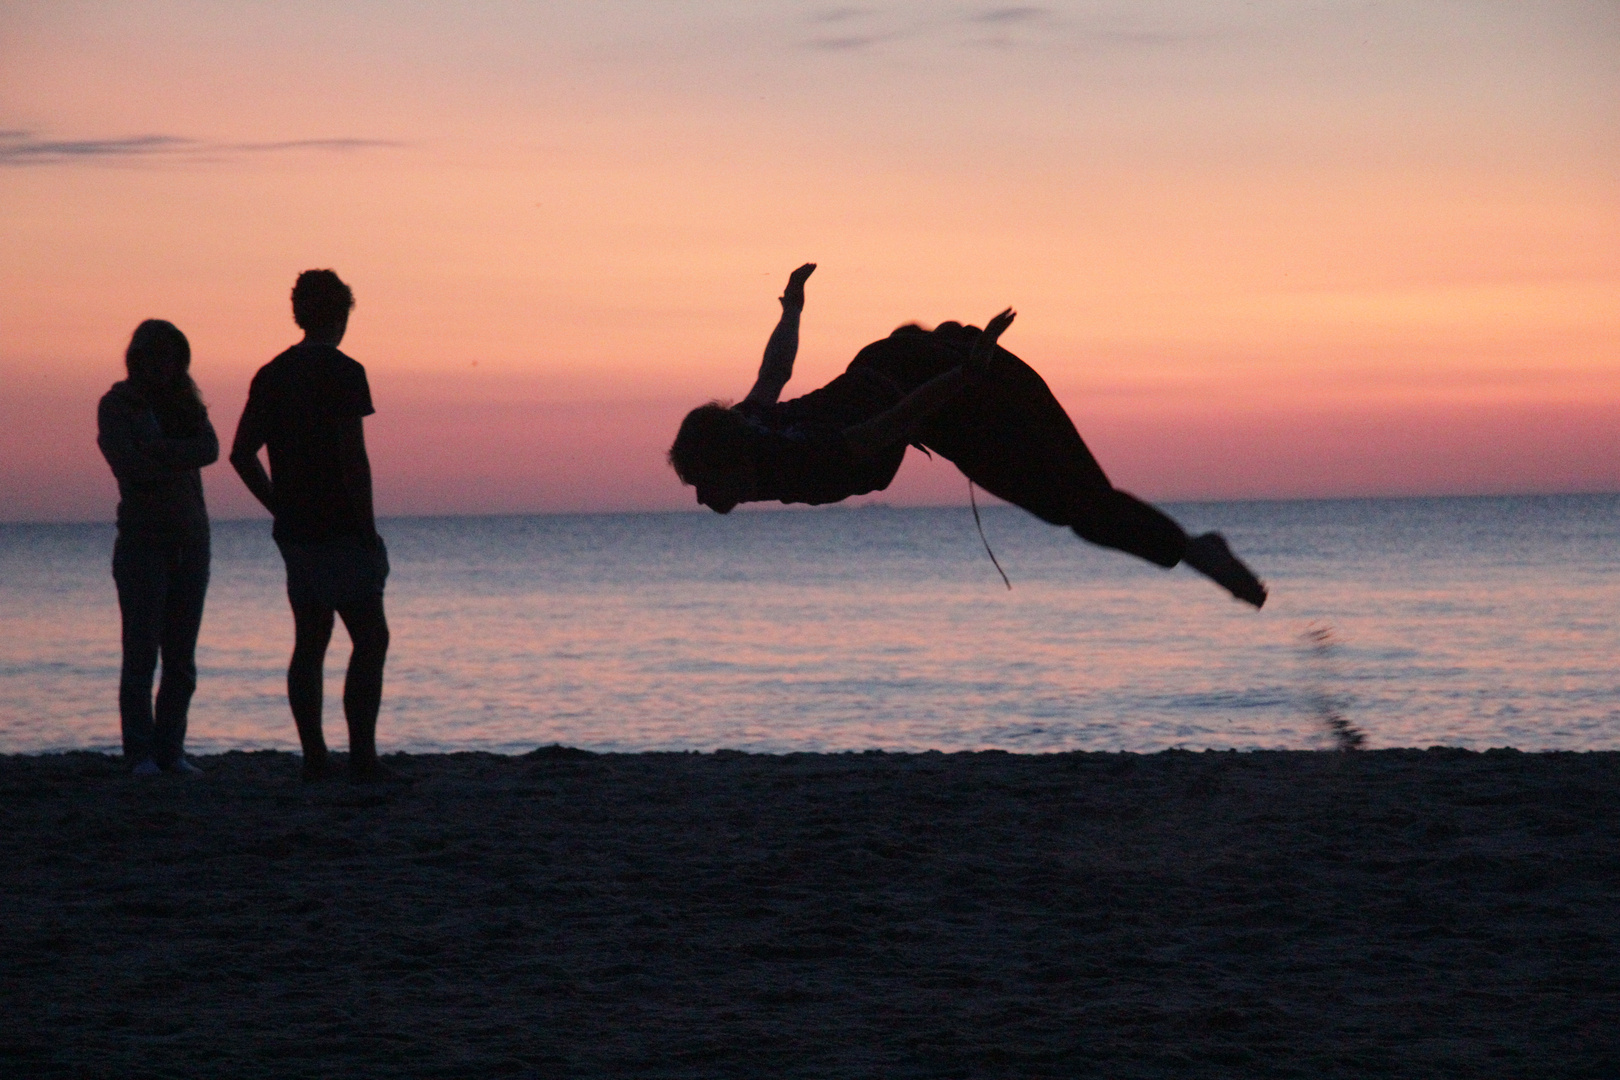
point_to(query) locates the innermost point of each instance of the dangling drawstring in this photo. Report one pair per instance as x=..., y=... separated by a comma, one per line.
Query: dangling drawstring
x=975, y=504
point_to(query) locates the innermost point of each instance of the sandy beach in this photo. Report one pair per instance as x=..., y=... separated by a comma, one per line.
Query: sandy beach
x=1395, y=913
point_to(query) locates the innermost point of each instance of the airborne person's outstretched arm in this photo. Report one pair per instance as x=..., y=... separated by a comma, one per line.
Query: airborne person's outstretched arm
x=777, y=367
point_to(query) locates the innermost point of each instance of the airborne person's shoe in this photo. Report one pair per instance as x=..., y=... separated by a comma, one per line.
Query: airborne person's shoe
x=1209, y=555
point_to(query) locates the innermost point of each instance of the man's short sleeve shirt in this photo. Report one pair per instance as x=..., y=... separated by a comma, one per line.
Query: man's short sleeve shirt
x=302, y=399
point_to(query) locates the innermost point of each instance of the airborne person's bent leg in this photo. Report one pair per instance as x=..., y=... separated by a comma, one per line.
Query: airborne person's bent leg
x=1117, y=519
x=1015, y=441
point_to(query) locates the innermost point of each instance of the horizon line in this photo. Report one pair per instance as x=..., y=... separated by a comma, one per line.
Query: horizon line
x=881, y=505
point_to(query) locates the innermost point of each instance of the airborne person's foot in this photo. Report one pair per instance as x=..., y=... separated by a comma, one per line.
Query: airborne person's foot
x=1209, y=555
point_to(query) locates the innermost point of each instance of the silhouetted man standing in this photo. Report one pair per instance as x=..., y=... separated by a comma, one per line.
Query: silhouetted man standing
x=306, y=406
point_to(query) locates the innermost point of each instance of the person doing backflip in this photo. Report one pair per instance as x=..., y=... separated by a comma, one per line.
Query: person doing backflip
x=951, y=391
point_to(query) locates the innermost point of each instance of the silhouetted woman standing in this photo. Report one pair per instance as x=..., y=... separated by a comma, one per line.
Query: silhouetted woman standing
x=153, y=430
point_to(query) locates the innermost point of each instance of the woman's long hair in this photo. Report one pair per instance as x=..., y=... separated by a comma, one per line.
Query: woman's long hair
x=177, y=404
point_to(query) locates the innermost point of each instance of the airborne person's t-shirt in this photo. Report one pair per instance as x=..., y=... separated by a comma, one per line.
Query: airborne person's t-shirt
x=798, y=447
x=299, y=399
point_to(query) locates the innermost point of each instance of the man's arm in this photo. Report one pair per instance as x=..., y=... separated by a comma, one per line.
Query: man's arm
x=783, y=347
x=250, y=437
x=355, y=468
x=899, y=424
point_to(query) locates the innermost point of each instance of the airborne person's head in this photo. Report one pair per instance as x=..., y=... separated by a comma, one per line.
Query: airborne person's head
x=710, y=453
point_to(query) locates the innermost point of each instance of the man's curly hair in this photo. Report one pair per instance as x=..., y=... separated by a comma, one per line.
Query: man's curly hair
x=321, y=301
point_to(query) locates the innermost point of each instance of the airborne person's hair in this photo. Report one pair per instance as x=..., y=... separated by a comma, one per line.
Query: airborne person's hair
x=711, y=437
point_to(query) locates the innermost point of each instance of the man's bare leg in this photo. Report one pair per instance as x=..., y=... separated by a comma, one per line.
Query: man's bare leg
x=362, y=688
x=313, y=629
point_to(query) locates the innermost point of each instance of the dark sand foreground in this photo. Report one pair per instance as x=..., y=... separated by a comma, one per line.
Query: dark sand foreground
x=1398, y=913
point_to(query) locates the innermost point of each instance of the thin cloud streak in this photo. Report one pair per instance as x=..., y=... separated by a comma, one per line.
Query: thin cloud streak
x=24, y=150
x=851, y=41
x=1123, y=31
x=1009, y=15
x=21, y=148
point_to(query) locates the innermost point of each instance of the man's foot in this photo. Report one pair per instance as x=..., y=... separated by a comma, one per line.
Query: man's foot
x=147, y=767
x=1209, y=555
x=181, y=767
x=314, y=770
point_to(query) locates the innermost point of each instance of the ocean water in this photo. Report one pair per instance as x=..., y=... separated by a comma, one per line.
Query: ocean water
x=1473, y=622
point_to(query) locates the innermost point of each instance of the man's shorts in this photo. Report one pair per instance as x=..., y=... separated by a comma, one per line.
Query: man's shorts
x=334, y=573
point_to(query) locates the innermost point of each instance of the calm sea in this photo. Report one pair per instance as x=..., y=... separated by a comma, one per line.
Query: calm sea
x=1472, y=622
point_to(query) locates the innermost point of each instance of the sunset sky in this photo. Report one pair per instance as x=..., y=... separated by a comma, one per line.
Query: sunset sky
x=1258, y=249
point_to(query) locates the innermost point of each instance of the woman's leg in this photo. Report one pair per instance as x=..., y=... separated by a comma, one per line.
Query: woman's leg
x=139, y=574
x=182, y=618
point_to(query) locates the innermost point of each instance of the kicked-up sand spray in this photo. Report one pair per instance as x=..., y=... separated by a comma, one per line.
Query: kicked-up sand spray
x=1321, y=647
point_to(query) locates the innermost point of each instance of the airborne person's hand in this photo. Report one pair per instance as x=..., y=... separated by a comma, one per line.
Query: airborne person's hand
x=793, y=295
x=984, y=347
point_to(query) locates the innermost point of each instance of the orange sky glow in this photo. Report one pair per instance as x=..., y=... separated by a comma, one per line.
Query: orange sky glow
x=1258, y=250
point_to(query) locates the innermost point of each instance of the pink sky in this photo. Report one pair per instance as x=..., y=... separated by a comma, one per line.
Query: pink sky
x=1258, y=250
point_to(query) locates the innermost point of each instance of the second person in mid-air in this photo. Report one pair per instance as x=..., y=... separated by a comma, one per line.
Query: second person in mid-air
x=952, y=391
